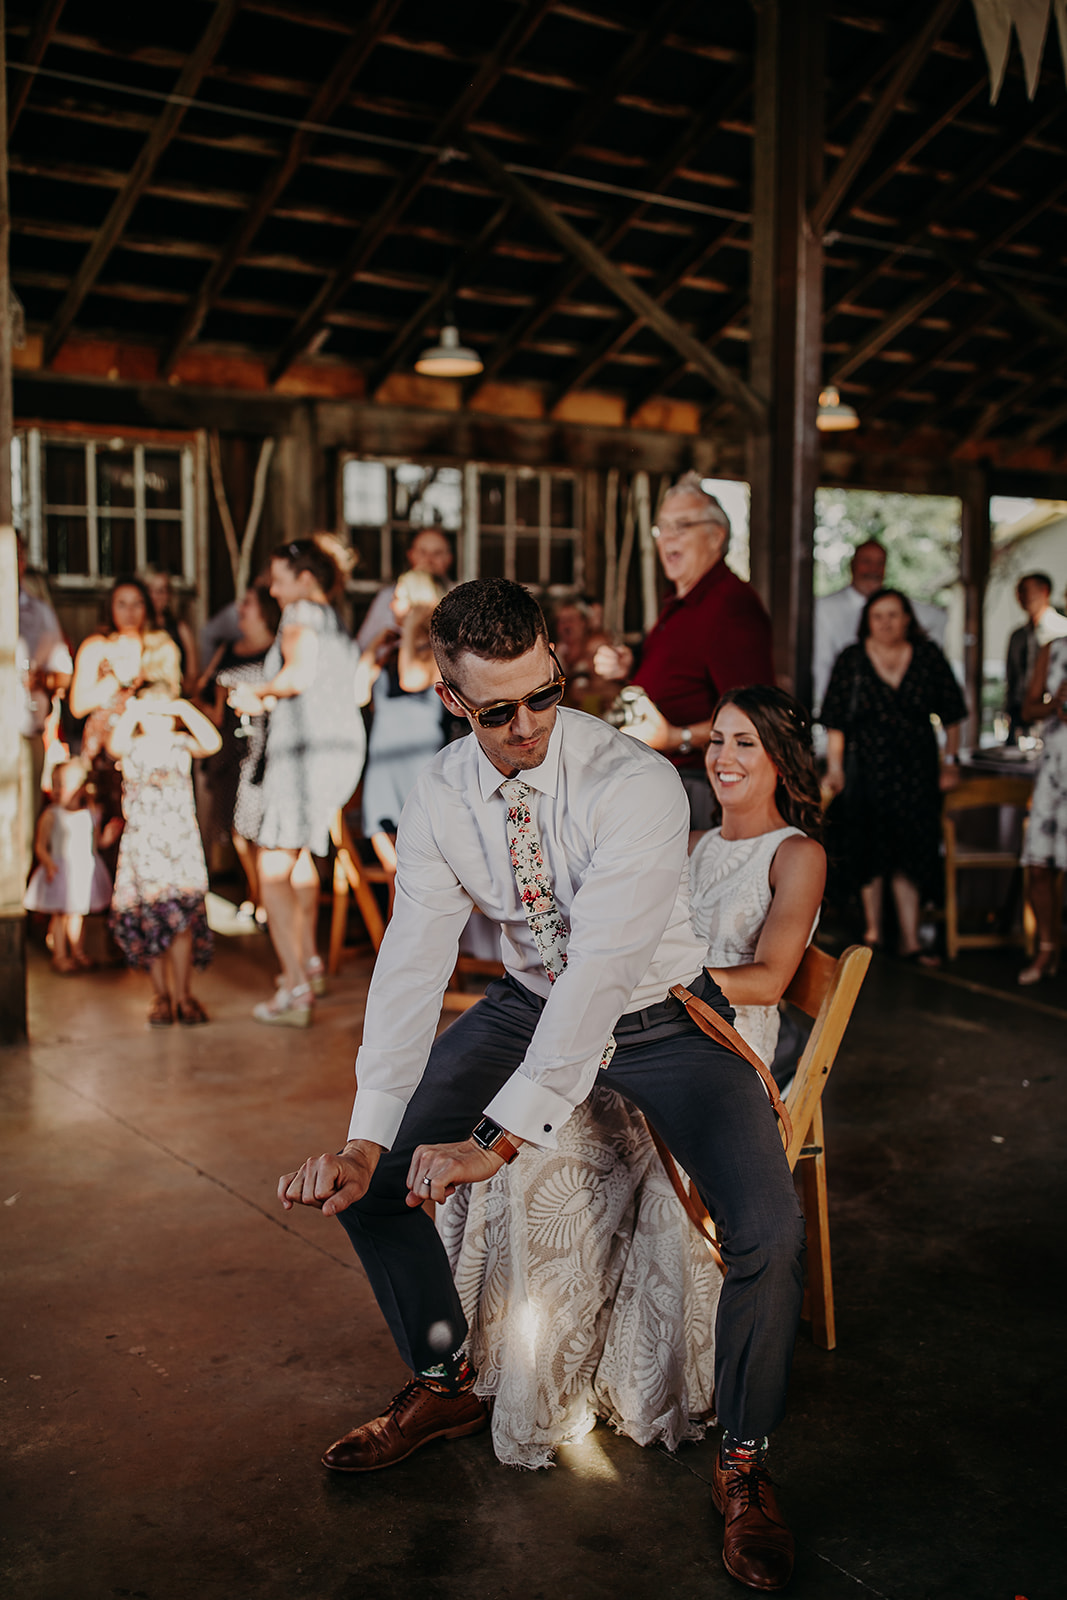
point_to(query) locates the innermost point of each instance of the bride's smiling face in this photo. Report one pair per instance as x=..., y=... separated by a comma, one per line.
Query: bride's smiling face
x=740, y=770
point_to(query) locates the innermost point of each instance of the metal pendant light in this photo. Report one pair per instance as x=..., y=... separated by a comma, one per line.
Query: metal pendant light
x=832, y=416
x=448, y=358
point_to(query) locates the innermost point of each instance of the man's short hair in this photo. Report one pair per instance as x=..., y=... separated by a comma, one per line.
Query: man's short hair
x=488, y=617
x=1041, y=578
x=692, y=483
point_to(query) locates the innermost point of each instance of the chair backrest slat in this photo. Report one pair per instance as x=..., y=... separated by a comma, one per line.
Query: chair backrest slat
x=826, y=989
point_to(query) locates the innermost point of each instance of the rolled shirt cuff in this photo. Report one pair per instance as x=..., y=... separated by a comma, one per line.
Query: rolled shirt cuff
x=376, y=1116
x=535, y=1113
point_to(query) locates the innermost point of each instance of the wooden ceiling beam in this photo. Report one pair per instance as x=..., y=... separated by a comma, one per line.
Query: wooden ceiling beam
x=599, y=266
x=616, y=339
x=326, y=101
x=568, y=279
x=522, y=26
x=914, y=374
x=402, y=348
x=139, y=176
x=41, y=34
x=669, y=374
x=1028, y=390
x=858, y=152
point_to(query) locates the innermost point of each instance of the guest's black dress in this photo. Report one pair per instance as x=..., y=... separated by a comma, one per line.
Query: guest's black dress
x=891, y=806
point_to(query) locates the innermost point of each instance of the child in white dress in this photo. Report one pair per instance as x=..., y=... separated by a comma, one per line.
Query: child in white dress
x=70, y=881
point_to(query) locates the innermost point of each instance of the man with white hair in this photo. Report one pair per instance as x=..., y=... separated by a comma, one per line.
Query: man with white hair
x=712, y=634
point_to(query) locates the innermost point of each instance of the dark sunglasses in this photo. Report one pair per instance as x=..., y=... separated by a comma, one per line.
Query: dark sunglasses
x=501, y=712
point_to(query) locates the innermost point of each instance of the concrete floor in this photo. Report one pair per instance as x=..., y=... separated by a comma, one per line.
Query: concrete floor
x=177, y=1351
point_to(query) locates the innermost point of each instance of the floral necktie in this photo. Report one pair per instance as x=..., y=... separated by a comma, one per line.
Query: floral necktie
x=550, y=932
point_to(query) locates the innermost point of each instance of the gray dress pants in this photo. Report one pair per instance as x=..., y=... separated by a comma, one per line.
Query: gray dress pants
x=711, y=1110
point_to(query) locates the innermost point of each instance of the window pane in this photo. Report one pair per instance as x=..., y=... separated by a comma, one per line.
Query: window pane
x=64, y=477
x=527, y=502
x=562, y=501
x=440, y=501
x=561, y=561
x=367, y=543
x=491, y=553
x=68, y=545
x=16, y=482
x=527, y=562
x=118, y=546
x=162, y=481
x=163, y=545
x=114, y=478
x=364, y=486
x=491, y=499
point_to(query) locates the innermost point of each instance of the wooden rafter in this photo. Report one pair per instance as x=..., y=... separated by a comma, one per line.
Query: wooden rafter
x=1008, y=403
x=139, y=176
x=45, y=24
x=567, y=280
x=523, y=25
x=614, y=340
x=599, y=266
x=970, y=266
x=934, y=416
x=909, y=376
x=862, y=145
x=970, y=182
x=587, y=117
x=711, y=334
x=326, y=101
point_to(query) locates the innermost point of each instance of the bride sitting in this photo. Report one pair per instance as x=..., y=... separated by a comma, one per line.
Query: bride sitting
x=589, y=1294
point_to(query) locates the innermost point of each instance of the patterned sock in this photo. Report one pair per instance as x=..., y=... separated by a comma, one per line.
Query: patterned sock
x=742, y=1453
x=454, y=1375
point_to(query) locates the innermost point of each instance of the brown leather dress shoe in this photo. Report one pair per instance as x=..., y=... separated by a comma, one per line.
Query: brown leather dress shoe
x=419, y=1413
x=757, y=1547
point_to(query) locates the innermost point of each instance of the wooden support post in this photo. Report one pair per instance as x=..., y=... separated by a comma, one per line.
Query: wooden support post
x=787, y=323
x=12, y=916
x=975, y=554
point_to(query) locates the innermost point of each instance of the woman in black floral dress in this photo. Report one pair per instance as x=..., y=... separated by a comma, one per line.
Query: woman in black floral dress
x=882, y=757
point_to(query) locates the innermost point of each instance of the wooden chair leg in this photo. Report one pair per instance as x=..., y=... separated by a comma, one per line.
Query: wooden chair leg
x=952, y=924
x=817, y=1217
x=348, y=860
x=338, y=917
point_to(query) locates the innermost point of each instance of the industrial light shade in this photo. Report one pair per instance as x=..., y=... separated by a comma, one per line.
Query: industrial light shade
x=832, y=416
x=449, y=358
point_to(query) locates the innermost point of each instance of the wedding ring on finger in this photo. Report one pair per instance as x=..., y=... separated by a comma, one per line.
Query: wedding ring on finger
x=426, y=1182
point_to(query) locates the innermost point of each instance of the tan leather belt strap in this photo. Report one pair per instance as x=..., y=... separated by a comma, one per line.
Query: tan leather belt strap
x=709, y=1022
x=694, y=1206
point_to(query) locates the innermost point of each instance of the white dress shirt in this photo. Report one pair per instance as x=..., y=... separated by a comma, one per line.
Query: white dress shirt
x=614, y=823
x=836, y=626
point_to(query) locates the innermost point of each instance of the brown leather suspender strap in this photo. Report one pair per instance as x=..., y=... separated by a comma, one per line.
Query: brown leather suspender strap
x=716, y=1027
x=694, y=1207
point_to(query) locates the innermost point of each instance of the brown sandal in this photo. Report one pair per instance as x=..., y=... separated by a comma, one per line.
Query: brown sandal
x=191, y=1013
x=160, y=1014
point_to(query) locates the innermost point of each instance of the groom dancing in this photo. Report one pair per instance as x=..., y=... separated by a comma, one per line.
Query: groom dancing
x=573, y=838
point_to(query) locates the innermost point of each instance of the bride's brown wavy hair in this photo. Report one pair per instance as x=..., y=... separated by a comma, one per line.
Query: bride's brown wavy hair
x=784, y=729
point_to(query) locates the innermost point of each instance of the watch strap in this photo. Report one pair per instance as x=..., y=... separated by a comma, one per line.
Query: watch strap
x=489, y=1137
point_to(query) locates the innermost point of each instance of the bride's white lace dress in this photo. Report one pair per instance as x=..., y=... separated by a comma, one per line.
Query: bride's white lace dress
x=589, y=1294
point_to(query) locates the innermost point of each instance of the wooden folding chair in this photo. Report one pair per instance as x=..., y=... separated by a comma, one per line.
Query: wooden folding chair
x=976, y=794
x=826, y=990
x=350, y=873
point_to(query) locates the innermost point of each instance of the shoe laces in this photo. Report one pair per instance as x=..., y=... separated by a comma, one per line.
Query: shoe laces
x=749, y=1484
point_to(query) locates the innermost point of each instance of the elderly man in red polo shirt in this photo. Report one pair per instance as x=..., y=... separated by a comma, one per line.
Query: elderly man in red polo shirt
x=712, y=634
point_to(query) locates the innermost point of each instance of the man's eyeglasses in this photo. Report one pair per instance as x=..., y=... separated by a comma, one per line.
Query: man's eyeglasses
x=684, y=527
x=501, y=712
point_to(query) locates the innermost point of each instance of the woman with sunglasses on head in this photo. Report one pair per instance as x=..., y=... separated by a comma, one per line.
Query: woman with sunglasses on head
x=312, y=762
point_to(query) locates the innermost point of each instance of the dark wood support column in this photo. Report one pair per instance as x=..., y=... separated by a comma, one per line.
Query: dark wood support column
x=976, y=543
x=786, y=356
x=12, y=916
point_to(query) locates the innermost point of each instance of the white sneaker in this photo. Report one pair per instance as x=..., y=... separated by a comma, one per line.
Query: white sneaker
x=290, y=1008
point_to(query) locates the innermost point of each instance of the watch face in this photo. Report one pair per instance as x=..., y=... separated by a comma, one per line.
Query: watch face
x=486, y=1133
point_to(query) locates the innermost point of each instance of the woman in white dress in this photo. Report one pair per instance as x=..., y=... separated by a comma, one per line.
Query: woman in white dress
x=1045, y=850
x=589, y=1294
